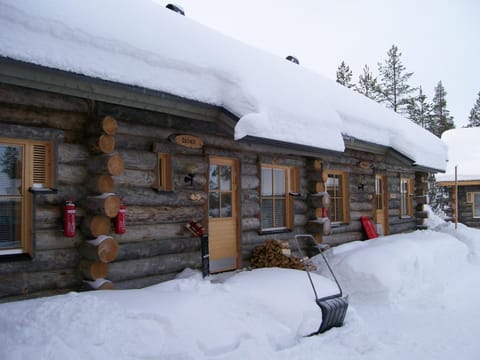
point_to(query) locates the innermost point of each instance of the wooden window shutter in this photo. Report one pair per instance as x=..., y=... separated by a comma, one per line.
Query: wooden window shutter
x=163, y=173
x=41, y=164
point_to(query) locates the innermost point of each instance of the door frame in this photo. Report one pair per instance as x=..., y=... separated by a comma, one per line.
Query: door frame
x=236, y=207
x=384, y=201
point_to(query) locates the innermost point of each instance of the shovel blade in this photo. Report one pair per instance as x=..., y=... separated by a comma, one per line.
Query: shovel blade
x=333, y=312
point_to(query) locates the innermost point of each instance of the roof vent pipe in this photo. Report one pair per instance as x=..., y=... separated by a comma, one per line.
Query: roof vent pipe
x=176, y=8
x=293, y=59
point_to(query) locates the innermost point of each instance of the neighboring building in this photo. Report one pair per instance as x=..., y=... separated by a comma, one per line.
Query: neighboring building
x=184, y=124
x=463, y=154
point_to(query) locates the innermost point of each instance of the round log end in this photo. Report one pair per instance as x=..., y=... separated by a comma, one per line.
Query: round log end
x=106, y=143
x=112, y=206
x=108, y=250
x=105, y=184
x=93, y=270
x=109, y=125
x=115, y=165
x=100, y=225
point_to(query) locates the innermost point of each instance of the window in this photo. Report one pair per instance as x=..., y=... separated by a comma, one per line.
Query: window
x=379, y=192
x=277, y=211
x=336, y=186
x=220, y=192
x=406, y=192
x=23, y=164
x=476, y=205
x=163, y=178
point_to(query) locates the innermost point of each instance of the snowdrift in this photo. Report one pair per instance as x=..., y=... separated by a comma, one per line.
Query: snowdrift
x=411, y=296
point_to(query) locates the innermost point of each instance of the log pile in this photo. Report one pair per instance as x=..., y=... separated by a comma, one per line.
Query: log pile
x=101, y=206
x=275, y=253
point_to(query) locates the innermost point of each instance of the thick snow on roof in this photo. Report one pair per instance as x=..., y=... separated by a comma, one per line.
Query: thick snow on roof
x=463, y=152
x=142, y=43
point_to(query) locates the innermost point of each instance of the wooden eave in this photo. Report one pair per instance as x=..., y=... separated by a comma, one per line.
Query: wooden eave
x=287, y=148
x=459, y=183
x=360, y=145
x=39, y=77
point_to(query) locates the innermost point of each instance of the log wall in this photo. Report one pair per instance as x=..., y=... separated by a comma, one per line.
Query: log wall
x=465, y=210
x=156, y=245
x=36, y=114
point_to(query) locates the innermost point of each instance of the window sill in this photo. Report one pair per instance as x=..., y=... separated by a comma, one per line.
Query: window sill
x=274, y=231
x=338, y=224
x=11, y=255
x=42, y=190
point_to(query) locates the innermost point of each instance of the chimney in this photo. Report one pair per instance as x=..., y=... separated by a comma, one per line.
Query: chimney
x=292, y=59
x=176, y=8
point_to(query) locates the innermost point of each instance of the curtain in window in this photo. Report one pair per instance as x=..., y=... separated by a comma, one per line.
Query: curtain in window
x=273, y=197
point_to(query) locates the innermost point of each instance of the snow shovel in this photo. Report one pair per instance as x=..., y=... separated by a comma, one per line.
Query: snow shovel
x=334, y=307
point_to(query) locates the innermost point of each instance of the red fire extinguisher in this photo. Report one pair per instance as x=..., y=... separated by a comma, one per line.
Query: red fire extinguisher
x=121, y=219
x=69, y=212
x=324, y=212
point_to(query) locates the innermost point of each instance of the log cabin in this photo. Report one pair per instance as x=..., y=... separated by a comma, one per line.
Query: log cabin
x=178, y=124
x=461, y=180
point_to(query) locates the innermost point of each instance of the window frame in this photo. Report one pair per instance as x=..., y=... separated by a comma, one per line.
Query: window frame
x=474, y=195
x=407, y=197
x=30, y=181
x=344, y=198
x=291, y=185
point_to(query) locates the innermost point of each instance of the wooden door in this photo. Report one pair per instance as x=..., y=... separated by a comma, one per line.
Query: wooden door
x=223, y=214
x=381, y=204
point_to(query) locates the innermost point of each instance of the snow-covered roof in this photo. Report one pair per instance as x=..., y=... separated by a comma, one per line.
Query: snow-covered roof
x=139, y=42
x=463, y=152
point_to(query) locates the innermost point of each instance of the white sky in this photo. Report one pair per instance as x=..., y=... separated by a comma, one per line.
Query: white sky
x=438, y=38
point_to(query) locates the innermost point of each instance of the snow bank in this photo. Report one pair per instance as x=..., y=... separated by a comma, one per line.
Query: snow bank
x=396, y=268
x=187, y=318
x=469, y=236
x=462, y=152
x=411, y=296
x=272, y=97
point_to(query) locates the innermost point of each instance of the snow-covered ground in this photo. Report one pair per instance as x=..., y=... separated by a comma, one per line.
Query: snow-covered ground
x=412, y=296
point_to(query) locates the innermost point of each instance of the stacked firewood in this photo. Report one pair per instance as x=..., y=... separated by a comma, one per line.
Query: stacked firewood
x=275, y=253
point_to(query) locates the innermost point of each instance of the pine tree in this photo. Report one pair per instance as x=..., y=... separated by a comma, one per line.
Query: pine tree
x=344, y=75
x=437, y=196
x=474, y=117
x=394, y=81
x=367, y=84
x=441, y=118
x=419, y=110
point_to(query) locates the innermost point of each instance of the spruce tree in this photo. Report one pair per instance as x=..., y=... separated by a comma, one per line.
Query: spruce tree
x=367, y=84
x=441, y=118
x=344, y=75
x=419, y=109
x=394, y=81
x=474, y=116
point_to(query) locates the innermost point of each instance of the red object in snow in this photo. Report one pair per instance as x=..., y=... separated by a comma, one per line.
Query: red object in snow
x=369, y=227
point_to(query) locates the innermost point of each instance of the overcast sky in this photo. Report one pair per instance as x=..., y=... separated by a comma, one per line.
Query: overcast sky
x=439, y=39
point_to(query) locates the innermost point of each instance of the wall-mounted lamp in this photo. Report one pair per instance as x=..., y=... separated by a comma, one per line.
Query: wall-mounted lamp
x=188, y=179
x=362, y=181
x=191, y=170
